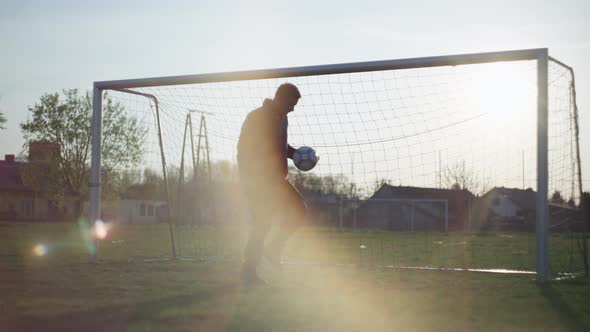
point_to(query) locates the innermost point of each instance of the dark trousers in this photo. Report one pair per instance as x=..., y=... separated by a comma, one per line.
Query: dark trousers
x=268, y=200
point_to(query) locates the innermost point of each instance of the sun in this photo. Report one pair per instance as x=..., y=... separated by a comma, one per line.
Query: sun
x=505, y=94
x=507, y=89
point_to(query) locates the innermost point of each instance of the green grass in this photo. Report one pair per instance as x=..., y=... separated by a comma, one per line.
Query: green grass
x=491, y=250
x=60, y=291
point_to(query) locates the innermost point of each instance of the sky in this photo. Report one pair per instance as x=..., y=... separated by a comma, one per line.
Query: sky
x=48, y=46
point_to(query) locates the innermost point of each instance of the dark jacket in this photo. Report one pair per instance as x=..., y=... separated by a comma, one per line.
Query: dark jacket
x=263, y=149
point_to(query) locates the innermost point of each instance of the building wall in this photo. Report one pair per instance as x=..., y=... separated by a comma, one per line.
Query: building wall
x=16, y=206
x=398, y=216
x=25, y=206
x=18, y=201
x=139, y=211
x=504, y=207
x=426, y=215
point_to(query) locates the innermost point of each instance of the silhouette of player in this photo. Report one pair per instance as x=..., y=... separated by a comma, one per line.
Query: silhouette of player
x=262, y=162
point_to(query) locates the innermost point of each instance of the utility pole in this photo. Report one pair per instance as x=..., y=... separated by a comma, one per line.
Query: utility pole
x=523, y=188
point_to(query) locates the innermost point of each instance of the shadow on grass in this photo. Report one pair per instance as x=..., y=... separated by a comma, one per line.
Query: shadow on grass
x=196, y=311
x=565, y=307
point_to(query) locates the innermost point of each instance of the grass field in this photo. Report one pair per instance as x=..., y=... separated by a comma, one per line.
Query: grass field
x=61, y=291
x=489, y=250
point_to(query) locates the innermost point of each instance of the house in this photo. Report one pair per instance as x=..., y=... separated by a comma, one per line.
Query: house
x=324, y=208
x=566, y=218
x=16, y=199
x=505, y=205
x=414, y=208
x=512, y=208
x=24, y=199
x=138, y=211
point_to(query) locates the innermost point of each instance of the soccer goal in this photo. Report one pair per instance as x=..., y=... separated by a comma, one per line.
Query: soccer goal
x=490, y=137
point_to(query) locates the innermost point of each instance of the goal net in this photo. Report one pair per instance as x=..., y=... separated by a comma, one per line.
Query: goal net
x=466, y=130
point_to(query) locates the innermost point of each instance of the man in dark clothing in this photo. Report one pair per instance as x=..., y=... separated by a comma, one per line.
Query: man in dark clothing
x=262, y=162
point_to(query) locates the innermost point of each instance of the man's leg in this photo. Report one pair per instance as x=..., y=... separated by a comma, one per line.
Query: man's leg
x=261, y=210
x=294, y=214
x=255, y=245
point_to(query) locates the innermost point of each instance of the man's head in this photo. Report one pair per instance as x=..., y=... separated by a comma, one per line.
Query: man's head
x=286, y=97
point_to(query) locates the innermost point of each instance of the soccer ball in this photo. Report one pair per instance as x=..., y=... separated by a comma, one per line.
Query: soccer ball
x=305, y=158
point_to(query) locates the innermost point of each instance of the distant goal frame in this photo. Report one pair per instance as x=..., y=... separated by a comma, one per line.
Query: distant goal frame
x=540, y=55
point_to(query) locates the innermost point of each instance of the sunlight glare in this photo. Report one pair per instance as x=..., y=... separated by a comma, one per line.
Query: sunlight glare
x=502, y=88
x=100, y=230
x=40, y=250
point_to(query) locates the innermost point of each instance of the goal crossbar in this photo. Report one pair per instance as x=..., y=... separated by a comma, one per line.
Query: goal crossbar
x=340, y=68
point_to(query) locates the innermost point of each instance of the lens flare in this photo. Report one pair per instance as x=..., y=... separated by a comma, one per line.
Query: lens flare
x=100, y=230
x=40, y=250
x=86, y=235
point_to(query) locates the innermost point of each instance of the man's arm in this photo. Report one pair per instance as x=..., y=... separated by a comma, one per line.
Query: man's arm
x=290, y=151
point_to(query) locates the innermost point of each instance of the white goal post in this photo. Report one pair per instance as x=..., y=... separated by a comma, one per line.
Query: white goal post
x=539, y=55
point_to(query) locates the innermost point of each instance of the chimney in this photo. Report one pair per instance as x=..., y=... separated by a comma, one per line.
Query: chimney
x=9, y=158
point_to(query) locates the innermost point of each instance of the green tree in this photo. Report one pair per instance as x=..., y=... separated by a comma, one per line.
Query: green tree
x=66, y=119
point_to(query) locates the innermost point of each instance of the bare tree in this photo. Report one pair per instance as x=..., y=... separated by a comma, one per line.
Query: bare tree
x=556, y=198
x=458, y=176
x=378, y=184
x=2, y=120
x=328, y=184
